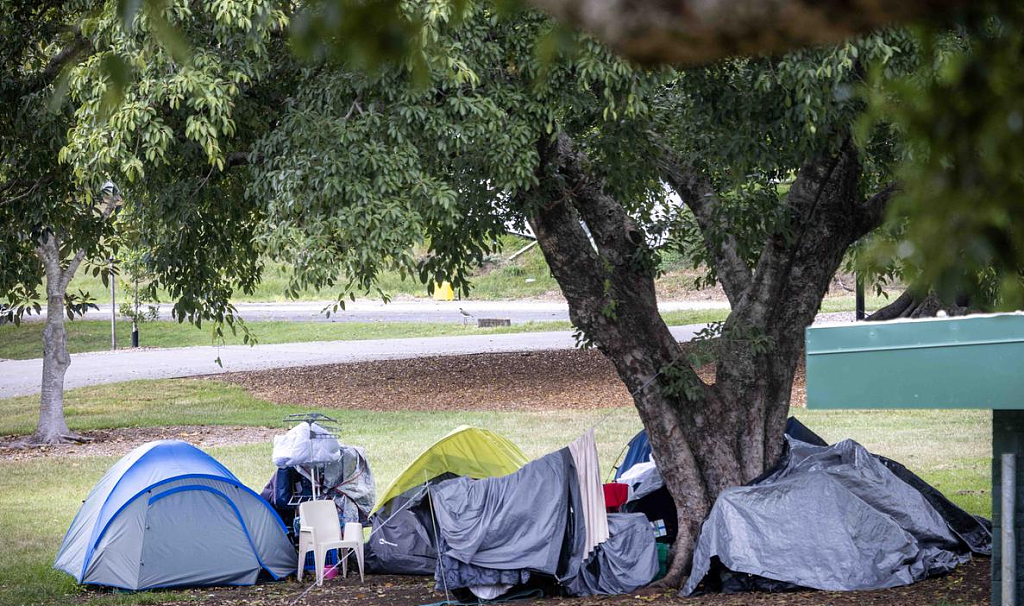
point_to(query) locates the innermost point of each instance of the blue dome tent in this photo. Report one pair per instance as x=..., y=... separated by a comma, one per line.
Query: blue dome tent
x=167, y=514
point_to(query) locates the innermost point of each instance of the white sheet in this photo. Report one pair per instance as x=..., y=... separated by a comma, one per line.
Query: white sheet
x=588, y=470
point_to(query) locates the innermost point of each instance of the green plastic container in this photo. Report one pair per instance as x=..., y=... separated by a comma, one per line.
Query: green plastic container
x=662, y=560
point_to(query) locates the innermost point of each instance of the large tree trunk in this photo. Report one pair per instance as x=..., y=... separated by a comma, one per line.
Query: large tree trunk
x=706, y=438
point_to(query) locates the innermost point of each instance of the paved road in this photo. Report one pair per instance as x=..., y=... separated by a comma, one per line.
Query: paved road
x=424, y=310
x=21, y=377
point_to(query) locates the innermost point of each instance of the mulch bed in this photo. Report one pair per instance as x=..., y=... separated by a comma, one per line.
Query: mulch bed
x=967, y=585
x=540, y=380
x=501, y=381
x=118, y=442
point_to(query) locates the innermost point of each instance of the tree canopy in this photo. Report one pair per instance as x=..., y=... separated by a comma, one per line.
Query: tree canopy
x=189, y=103
x=340, y=171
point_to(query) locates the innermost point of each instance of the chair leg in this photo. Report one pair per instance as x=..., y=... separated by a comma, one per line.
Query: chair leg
x=359, y=561
x=343, y=556
x=301, y=566
x=320, y=556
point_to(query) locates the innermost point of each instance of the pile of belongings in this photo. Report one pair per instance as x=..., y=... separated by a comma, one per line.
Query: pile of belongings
x=403, y=527
x=169, y=515
x=834, y=518
x=494, y=535
x=312, y=463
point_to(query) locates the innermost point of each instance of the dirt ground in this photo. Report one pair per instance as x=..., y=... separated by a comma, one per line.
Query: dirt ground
x=966, y=586
x=541, y=380
x=117, y=442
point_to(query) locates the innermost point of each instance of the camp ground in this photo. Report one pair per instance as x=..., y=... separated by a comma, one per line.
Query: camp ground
x=555, y=504
x=471, y=517
x=493, y=506
x=553, y=302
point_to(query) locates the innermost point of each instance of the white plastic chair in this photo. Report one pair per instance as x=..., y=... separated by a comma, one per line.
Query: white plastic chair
x=354, y=534
x=320, y=532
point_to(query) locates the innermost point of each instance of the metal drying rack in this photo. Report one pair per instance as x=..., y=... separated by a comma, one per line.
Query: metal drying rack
x=331, y=430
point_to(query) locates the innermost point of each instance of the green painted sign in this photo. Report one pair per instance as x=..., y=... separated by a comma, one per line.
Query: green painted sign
x=962, y=362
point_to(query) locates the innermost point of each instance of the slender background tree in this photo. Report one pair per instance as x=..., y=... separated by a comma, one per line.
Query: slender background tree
x=69, y=127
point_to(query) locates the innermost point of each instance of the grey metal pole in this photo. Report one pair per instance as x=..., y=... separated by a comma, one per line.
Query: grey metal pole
x=859, y=302
x=1008, y=534
x=113, y=309
x=135, y=318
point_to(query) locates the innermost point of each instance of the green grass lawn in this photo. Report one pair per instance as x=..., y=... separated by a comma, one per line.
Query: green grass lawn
x=499, y=280
x=848, y=303
x=39, y=498
x=25, y=341
x=527, y=276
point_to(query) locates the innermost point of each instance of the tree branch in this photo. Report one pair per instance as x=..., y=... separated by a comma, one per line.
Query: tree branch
x=874, y=208
x=242, y=158
x=26, y=193
x=895, y=309
x=614, y=232
x=610, y=291
x=68, y=273
x=70, y=53
x=702, y=31
x=558, y=228
x=48, y=251
x=827, y=183
x=700, y=197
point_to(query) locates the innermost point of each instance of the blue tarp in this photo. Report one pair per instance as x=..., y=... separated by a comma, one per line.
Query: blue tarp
x=639, y=451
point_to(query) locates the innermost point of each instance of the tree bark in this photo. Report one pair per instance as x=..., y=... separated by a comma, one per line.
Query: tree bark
x=912, y=304
x=689, y=32
x=52, y=428
x=706, y=438
x=612, y=299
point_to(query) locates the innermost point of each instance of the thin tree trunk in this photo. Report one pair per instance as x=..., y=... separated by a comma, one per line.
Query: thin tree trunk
x=52, y=427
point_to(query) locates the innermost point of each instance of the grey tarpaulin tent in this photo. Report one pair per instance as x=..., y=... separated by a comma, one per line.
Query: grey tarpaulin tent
x=403, y=527
x=492, y=529
x=167, y=514
x=496, y=532
x=834, y=518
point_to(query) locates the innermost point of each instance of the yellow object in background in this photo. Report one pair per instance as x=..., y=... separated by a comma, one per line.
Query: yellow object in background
x=443, y=291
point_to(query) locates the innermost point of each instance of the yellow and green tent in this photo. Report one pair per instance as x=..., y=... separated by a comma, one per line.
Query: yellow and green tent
x=466, y=451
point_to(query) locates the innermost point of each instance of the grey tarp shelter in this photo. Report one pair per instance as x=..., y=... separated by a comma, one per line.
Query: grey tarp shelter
x=403, y=528
x=496, y=531
x=472, y=497
x=963, y=362
x=833, y=518
x=167, y=514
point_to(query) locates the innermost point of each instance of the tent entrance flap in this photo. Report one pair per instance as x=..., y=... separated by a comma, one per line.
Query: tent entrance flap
x=225, y=557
